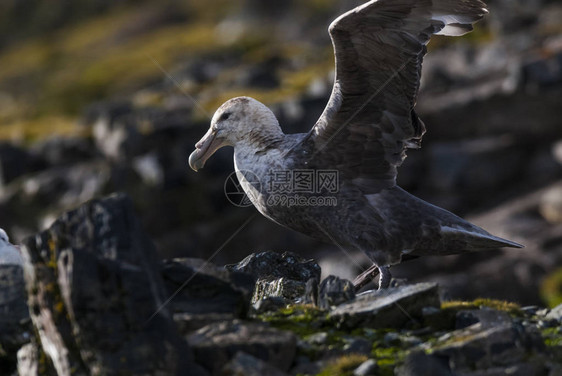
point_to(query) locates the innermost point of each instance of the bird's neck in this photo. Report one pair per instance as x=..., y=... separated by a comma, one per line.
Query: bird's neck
x=258, y=146
x=260, y=140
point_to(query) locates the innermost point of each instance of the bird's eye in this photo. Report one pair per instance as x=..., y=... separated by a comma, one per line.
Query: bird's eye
x=224, y=116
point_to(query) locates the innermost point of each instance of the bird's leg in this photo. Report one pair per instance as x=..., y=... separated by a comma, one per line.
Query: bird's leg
x=385, y=277
x=364, y=278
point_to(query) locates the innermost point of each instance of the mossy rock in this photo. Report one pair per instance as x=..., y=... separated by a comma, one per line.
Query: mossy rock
x=501, y=305
x=344, y=365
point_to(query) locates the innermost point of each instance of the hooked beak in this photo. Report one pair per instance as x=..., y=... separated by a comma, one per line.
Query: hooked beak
x=204, y=149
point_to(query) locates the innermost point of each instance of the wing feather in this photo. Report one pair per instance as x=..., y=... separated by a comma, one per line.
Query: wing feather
x=370, y=120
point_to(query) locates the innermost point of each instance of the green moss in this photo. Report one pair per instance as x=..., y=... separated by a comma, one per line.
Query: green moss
x=500, y=305
x=302, y=320
x=24, y=58
x=551, y=288
x=552, y=337
x=37, y=128
x=388, y=357
x=55, y=75
x=344, y=365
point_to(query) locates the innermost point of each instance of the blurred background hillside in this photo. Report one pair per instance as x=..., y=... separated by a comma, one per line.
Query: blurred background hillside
x=105, y=96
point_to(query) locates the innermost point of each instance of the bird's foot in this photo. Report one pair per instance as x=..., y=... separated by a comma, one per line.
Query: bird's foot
x=364, y=278
x=385, y=277
x=368, y=275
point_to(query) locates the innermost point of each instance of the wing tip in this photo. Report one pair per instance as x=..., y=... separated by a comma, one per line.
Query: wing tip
x=458, y=21
x=512, y=244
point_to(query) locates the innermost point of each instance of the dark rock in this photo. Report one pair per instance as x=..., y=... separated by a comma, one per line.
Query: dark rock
x=334, y=291
x=14, y=315
x=520, y=369
x=487, y=317
x=109, y=110
x=278, y=275
x=15, y=162
x=398, y=339
x=216, y=344
x=304, y=366
x=543, y=72
x=288, y=289
x=12, y=298
x=358, y=346
x=64, y=151
x=311, y=292
x=97, y=298
x=368, y=368
x=164, y=150
x=270, y=264
x=479, y=347
x=438, y=319
x=190, y=322
x=417, y=363
x=199, y=287
x=554, y=369
x=248, y=365
x=389, y=308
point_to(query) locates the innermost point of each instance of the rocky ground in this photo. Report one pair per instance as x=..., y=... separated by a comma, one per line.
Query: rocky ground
x=92, y=298
x=492, y=153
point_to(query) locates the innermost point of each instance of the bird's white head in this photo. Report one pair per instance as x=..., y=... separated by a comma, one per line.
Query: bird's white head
x=4, y=237
x=239, y=121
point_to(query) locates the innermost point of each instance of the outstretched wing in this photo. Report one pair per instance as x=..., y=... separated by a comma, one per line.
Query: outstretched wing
x=370, y=121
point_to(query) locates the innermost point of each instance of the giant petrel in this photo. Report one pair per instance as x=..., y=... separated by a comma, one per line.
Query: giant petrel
x=337, y=183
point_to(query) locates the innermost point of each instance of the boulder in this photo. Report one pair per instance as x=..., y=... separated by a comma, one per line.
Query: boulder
x=282, y=275
x=15, y=330
x=96, y=296
x=287, y=289
x=487, y=317
x=270, y=264
x=216, y=344
x=418, y=363
x=202, y=292
x=248, y=365
x=481, y=347
x=389, y=308
x=334, y=291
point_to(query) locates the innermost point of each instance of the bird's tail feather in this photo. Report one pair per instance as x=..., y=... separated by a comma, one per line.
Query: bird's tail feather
x=480, y=239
